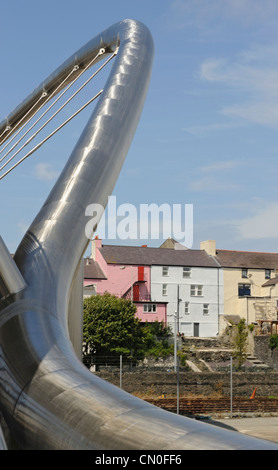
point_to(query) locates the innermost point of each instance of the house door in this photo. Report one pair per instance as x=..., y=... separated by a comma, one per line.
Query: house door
x=141, y=273
x=136, y=292
x=196, y=329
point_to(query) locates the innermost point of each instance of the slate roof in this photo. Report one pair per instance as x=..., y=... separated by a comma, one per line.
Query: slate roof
x=92, y=270
x=247, y=259
x=271, y=282
x=148, y=256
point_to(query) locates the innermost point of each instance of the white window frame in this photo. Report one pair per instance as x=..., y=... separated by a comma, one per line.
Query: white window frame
x=149, y=308
x=205, y=309
x=244, y=286
x=244, y=273
x=165, y=271
x=196, y=290
x=186, y=308
x=186, y=272
x=164, y=289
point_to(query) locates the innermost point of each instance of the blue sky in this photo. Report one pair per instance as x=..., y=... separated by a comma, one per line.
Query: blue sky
x=208, y=131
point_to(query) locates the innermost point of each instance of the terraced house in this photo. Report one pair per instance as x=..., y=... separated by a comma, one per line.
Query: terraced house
x=183, y=288
x=250, y=284
x=193, y=291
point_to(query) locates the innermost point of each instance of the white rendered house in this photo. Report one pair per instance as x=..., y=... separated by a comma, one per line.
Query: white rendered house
x=192, y=285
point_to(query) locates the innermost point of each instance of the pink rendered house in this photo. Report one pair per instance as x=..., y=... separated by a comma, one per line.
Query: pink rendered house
x=119, y=272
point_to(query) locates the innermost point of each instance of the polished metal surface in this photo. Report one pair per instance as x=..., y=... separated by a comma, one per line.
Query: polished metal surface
x=48, y=398
x=11, y=280
x=2, y=441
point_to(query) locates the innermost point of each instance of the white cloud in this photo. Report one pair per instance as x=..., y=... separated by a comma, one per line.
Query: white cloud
x=44, y=171
x=200, y=130
x=209, y=182
x=212, y=184
x=259, y=76
x=264, y=113
x=214, y=70
x=254, y=78
x=203, y=12
x=262, y=224
x=219, y=166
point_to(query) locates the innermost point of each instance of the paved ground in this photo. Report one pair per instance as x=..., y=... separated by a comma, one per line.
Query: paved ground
x=264, y=428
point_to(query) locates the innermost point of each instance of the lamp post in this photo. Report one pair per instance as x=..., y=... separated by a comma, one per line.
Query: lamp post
x=176, y=358
x=178, y=385
x=175, y=341
x=176, y=361
x=231, y=386
x=178, y=308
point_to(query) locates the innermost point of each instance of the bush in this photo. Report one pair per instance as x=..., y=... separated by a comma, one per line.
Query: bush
x=110, y=328
x=273, y=342
x=155, y=340
x=240, y=343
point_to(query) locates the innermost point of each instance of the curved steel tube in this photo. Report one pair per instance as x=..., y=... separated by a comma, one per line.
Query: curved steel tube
x=48, y=398
x=3, y=445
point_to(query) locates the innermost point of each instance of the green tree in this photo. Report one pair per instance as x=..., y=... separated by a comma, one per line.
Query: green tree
x=273, y=341
x=155, y=340
x=110, y=327
x=240, y=343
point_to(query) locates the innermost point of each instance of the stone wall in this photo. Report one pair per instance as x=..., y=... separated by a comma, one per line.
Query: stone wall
x=264, y=353
x=205, y=384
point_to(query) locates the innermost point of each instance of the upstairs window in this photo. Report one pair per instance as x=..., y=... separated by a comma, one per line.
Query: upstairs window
x=205, y=309
x=196, y=290
x=244, y=290
x=165, y=271
x=267, y=273
x=186, y=272
x=244, y=273
x=186, y=308
x=164, y=289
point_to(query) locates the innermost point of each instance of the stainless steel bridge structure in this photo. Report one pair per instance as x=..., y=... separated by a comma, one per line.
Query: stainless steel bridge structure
x=48, y=398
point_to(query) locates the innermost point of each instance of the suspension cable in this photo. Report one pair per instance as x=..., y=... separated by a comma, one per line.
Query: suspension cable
x=28, y=130
x=76, y=67
x=51, y=134
x=9, y=128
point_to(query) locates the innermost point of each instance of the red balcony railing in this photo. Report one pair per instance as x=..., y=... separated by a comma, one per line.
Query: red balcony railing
x=136, y=294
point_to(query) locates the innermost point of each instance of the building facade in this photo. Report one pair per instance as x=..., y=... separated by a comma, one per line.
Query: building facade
x=249, y=280
x=123, y=272
x=183, y=288
x=194, y=296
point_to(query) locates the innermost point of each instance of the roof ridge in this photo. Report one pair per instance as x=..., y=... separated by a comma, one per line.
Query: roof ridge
x=151, y=247
x=244, y=251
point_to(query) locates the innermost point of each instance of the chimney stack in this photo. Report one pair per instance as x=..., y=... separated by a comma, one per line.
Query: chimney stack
x=209, y=246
